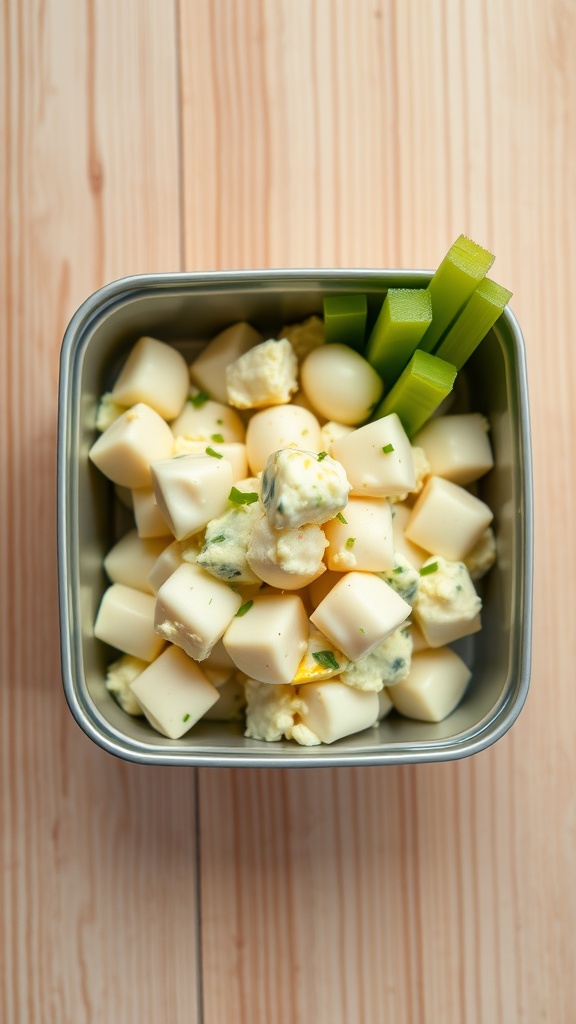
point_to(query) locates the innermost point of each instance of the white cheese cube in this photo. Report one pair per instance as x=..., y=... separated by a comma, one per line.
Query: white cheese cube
x=446, y=606
x=365, y=540
x=447, y=520
x=268, y=642
x=233, y=452
x=230, y=704
x=154, y=373
x=419, y=642
x=298, y=487
x=226, y=544
x=219, y=662
x=208, y=370
x=166, y=563
x=322, y=585
x=359, y=613
x=174, y=693
x=149, y=520
x=193, y=610
x=119, y=675
x=287, y=559
x=132, y=559
x=377, y=458
x=333, y=710
x=304, y=336
x=457, y=447
x=434, y=686
x=126, y=620
x=280, y=427
x=204, y=420
x=191, y=490
x=402, y=546
x=265, y=375
x=125, y=450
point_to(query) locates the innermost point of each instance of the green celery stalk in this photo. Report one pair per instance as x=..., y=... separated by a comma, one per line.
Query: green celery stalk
x=463, y=267
x=418, y=391
x=479, y=314
x=345, y=320
x=405, y=316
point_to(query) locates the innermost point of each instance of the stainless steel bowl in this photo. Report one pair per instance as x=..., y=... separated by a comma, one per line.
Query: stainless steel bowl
x=188, y=309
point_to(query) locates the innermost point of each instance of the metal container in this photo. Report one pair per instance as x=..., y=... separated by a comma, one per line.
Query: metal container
x=187, y=310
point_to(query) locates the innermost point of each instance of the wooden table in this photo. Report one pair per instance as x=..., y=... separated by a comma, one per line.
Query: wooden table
x=142, y=135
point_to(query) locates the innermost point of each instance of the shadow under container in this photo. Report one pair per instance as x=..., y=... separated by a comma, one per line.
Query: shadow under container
x=187, y=310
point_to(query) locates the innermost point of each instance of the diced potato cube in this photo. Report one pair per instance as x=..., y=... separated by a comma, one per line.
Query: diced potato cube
x=385, y=705
x=154, y=373
x=126, y=620
x=132, y=559
x=125, y=450
x=149, y=520
x=166, y=563
x=359, y=613
x=268, y=642
x=208, y=370
x=365, y=540
x=193, y=610
x=333, y=710
x=174, y=693
x=434, y=686
x=413, y=554
x=233, y=452
x=331, y=431
x=457, y=447
x=377, y=458
x=322, y=585
x=191, y=490
x=447, y=520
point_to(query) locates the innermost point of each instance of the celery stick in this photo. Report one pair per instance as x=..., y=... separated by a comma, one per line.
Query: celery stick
x=479, y=314
x=405, y=315
x=345, y=320
x=418, y=391
x=461, y=270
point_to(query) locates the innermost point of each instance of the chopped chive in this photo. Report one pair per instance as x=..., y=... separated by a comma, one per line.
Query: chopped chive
x=218, y=539
x=350, y=542
x=244, y=608
x=426, y=570
x=186, y=717
x=215, y=455
x=199, y=400
x=242, y=497
x=326, y=659
x=220, y=422
x=418, y=391
x=398, y=570
x=387, y=448
x=341, y=518
x=360, y=630
x=322, y=456
x=461, y=270
x=217, y=438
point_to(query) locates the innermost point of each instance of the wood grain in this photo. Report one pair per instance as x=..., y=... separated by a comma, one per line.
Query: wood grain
x=99, y=858
x=148, y=135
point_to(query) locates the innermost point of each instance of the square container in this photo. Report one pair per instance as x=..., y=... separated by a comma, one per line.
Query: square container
x=187, y=310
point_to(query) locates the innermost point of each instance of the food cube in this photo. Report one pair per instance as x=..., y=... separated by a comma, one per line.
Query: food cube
x=359, y=613
x=193, y=610
x=362, y=537
x=457, y=447
x=333, y=710
x=154, y=373
x=191, y=490
x=126, y=620
x=125, y=450
x=434, y=686
x=268, y=642
x=166, y=563
x=377, y=458
x=208, y=370
x=447, y=520
x=446, y=606
x=174, y=693
x=132, y=559
x=149, y=520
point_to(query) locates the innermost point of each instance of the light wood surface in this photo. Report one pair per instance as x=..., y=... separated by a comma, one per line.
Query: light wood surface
x=146, y=135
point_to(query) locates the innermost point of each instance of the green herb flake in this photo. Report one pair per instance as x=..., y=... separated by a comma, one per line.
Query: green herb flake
x=218, y=539
x=244, y=608
x=360, y=630
x=220, y=422
x=186, y=717
x=322, y=456
x=398, y=570
x=242, y=497
x=350, y=543
x=426, y=570
x=217, y=438
x=388, y=448
x=341, y=518
x=215, y=455
x=199, y=400
x=326, y=659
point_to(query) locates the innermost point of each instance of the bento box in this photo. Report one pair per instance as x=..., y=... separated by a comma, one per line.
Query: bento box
x=187, y=310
